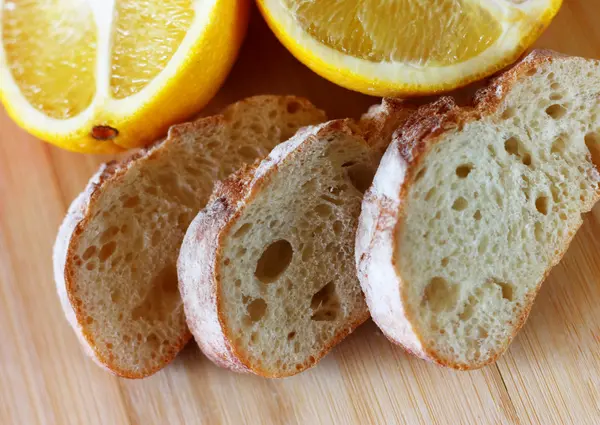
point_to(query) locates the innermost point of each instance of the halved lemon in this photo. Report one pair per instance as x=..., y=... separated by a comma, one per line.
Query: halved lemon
x=107, y=75
x=407, y=47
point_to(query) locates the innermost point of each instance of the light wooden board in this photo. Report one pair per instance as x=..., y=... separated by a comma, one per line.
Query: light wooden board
x=550, y=375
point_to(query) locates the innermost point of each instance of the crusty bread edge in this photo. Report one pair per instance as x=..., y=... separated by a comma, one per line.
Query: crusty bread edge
x=198, y=265
x=64, y=251
x=382, y=210
x=77, y=218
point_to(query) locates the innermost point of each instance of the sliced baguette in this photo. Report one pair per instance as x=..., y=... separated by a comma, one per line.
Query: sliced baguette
x=472, y=207
x=266, y=271
x=115, y=254
x=380, y=122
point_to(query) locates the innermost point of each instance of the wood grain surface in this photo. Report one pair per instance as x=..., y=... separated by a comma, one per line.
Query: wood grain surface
x=550, y=375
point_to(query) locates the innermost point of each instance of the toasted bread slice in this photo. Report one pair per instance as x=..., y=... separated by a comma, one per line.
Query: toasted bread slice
x=115, y=254
x=267, y=271
x=472, y=207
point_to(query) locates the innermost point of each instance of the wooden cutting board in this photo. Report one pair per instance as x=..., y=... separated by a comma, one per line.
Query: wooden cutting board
x=550, y=375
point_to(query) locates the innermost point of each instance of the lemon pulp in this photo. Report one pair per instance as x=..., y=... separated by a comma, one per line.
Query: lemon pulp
x=50, y=50
x=421, y=32
x=146, y=35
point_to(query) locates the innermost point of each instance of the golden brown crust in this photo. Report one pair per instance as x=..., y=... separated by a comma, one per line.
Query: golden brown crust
x=79, y=215
x=205, y=238
x=411, y=143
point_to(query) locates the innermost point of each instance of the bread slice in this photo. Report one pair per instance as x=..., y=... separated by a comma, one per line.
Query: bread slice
x=471, y=208
x=380, y=122
x=115, y=254
x=267, y=271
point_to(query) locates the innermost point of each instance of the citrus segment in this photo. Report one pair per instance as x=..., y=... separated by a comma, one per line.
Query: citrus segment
x=146, y=36
x=451, y=31
x=50, y=49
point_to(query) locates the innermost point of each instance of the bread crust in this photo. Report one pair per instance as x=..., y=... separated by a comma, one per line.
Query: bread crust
x=382, y=210
x=79, y=214
x=199, y=260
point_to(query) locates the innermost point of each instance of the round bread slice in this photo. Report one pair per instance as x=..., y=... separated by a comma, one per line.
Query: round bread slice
x=116, y=251
x=266, y=271
x=471, y=208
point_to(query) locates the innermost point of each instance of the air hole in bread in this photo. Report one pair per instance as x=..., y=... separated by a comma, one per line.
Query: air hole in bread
x=131, y=202
x=508, y=113
x=511, y=146
x=89, y=320
x=291, y=335
x=445, y=261
x=440, y=295
x=477, y=215
x=430, y=194
x=462, y=171
x=507, y=290
x=323, y=210
x=293, y=107
x=153, y=341
x=498, y=198
x=307, y=252
x=556, y=111
x=248, y=152
x=558, y=146
x=90, y=251
x=257, y=128
x=244, y=228
x=481, y=333
x=337, y=227
x=256, y=309
x=331, y=200
x=361, y=176
x=167, y=279
x=310, y=185
x=325, y=303
x=460, y=204
x=160, y=299
x=483, y=244
x=108, y=234
x=514, y=147
x=420, y=174
x=107, y=250
x=592, y=141
x=541, y=204
x=348, y=164
x=468, y=309
x=273, y=261
x=531, y=72
x=115, y=295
